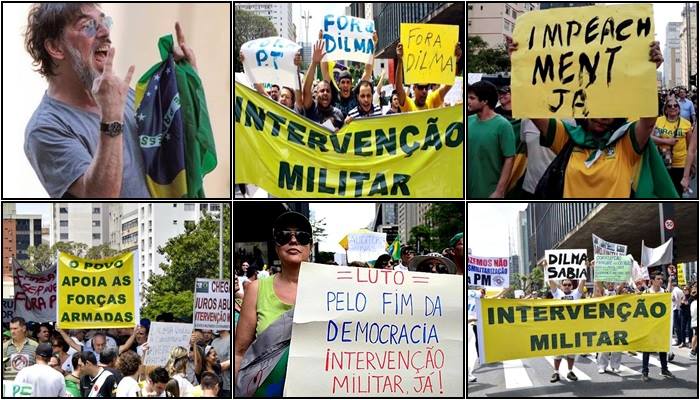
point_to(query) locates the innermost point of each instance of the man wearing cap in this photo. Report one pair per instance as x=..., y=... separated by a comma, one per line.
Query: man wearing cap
x=457, y=244
x=269, y=299
x=505, y=108
x=17, y=353
x=45, y=381
x=407, y=253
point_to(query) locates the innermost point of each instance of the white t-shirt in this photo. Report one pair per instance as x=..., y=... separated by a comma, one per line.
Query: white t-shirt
x=400, y=267
x=538, y=156
x=46, y=381
x=560, y=295
x=128, y=387
x=694, y=314
x=676, y=298
x=185, y=386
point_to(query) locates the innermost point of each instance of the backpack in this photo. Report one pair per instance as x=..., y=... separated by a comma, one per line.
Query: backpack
x=551, y=185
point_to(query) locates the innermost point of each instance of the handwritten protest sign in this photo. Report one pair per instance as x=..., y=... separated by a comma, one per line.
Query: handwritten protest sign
x=212, y=304
x=162, y=337
x=488, y=271
x=8, y=310
x=376, y=333
x=680, y=270
x=35, y=294
x=601, y=246
x=428, y=53
x=578, y=64
x=97, y=293
x=366, y=246
x=569, y=263
x=12, y=389
x=271, y=60
x=348, y=38
x=612, y=268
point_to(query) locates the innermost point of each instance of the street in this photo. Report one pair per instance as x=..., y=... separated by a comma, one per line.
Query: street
x=530, y=377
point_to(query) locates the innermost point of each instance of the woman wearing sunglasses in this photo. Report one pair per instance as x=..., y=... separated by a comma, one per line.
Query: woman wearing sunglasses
x=670, y=135
x=268, y=299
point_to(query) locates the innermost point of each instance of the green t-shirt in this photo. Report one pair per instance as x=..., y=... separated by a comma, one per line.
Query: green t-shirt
x=490, y=143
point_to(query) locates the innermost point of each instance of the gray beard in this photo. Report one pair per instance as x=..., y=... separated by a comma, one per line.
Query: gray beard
x=85, y=74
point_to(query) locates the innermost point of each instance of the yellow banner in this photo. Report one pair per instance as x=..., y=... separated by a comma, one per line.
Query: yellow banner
x=580, y=64
x=429, y=53
x=417, y=154
x=514, y=329
x=680, y=271
x=96, y=293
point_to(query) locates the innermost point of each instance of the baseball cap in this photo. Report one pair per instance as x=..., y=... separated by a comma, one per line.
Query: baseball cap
x=44, y=350
x=292, y=218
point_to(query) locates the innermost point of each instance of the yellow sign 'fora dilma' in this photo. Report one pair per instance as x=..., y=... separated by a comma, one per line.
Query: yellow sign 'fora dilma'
x=585, y=62
x=96, y=293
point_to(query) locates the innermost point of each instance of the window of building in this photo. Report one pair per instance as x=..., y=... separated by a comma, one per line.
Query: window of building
x=63, y=224
x=64, y=236
x=96, y=236
x=95, y=224
x=214, y=207
x=96, y=210
x=174, y=222
x=189, y=206
x=174, y=205
x=63, y=210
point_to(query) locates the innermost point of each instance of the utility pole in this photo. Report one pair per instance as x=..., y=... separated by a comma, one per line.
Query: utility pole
x=221, y=240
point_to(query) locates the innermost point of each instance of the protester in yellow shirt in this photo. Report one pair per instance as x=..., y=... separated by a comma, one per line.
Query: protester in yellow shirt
x=423, y=100
x=670, y=134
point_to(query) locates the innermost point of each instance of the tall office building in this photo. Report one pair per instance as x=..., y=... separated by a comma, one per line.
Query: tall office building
x=19, y=231
x=409, y=216
x=86, y=223
x=673, y=75
x=280, y=14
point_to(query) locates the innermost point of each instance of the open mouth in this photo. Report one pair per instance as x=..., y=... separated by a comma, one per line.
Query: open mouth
x=101, y=53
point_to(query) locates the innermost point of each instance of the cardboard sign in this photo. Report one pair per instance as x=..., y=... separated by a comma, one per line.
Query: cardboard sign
x=488, y=272
x=162, y=337
x=513, y=329
x=429, y=53
x=35, y=294
x=577, y=63
x=611, y=268
x=366, y=246
x=97, y=293
x=680, y=271
x=271, y=60
x=360, y=332
x=212, y=304
x=601, y=246
x=348, y=38
x=8, y=310
x=569, y=264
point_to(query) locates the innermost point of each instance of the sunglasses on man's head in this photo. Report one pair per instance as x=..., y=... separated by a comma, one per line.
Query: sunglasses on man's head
x=284, y=237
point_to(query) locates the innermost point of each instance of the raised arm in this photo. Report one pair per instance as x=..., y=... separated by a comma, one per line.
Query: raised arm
x=316, y=57
x=399, y=74
x=69, y=340
x=370, y=64
x=324, y=65
x=645, y=126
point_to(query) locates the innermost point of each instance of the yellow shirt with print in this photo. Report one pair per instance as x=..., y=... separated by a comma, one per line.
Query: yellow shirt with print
x=666, y=129
x=609, y=177
x=433, y=100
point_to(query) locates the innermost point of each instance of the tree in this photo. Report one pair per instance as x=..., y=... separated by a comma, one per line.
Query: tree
x=248, y=27
x=101, y=251
x=484, y=59
x=318, y=228
x=43, y=256
x=445, y=220
x=420, y=237
x=324, y=257
x=190, y=255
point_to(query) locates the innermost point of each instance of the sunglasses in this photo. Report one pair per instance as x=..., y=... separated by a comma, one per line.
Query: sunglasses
x=672, y=106
x=284, y=237
x=566, y=284
x=91, y=27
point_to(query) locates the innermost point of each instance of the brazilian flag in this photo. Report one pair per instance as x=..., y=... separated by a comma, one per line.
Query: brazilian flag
x=395, y=248
x=174, y=131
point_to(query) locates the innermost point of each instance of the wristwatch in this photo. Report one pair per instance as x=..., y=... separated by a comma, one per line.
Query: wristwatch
x=112, y=129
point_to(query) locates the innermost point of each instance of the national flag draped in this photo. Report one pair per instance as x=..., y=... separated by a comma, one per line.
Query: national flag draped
x=174, y=131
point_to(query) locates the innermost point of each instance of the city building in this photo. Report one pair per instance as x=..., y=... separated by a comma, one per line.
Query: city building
x=280, y=14
x=689, y=45
x=522, y=242
x=491, y=21
x=386, y=220
x=409, y=216
x=19, y=231
x=546, y=6
x=571, y=225
x=86, y=223
x=673, y=74
x=389, y=16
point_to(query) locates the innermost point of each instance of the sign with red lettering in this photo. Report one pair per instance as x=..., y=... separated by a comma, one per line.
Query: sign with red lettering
x=212, y=304
x=35, y=294
x=363, y=332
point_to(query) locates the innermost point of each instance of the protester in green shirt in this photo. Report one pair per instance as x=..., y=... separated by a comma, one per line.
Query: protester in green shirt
x=491, y=144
